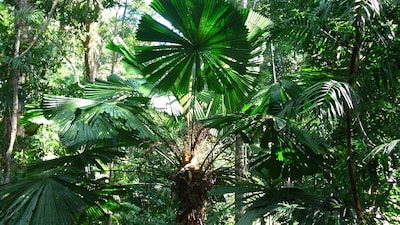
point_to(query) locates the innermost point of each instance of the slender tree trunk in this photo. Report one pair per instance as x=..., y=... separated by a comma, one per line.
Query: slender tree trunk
x=273, y=62
x=349, y=131
x=86, y=44
x=13, y=129
x=350, y=166
x=241, y=171
x=114, y=55
x=240, y=160
x=110, y=178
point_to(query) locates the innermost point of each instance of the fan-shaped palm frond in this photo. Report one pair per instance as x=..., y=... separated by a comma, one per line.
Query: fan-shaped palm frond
x=129, y=58
x=205, y=53
x=283, y=204
x=58, y=191
x=51, y=198
x=111, y=108
x=203, y=45
x=256, y=25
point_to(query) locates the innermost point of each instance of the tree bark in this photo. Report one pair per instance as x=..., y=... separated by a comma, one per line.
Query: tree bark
x=86, y=45
x=91, y=65
x=15, y=77
x=12, y=130
x=349, y=131
x=191, y=187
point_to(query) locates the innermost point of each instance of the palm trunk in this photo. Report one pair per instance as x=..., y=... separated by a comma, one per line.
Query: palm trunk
x=191, y=187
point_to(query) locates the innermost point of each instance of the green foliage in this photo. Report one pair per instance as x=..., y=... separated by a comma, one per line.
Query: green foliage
x=146, y=176
x=204, y=55
x=58, y=191
x=205, y=47
x=271, y=198
x=111, y=108
x=43, y=200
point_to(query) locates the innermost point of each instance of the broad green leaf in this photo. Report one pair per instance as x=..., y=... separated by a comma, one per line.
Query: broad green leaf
x=203, y=45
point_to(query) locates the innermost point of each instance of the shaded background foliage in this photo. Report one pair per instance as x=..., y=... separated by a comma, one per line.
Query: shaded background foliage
x=293, y=127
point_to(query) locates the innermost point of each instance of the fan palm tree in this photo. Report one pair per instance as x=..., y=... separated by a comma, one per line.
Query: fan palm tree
x=202, y=57
x=200, y=53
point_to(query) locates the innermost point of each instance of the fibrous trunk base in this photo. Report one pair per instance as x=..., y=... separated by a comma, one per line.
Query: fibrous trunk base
x=191, y=188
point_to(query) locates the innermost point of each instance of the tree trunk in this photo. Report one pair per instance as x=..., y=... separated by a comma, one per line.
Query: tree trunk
x=241, y=172
x=12, y=125
x=191, y=186
x=114, y=55
x=349, y=131
x=273, y=62
x=86, y=45
x=12, y=130
x=91, y=56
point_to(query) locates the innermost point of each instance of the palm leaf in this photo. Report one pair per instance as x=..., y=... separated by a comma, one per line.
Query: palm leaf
x=111, y=108
x=203, y=46
x=256, y=24
x=58, y=191
x=332, y=96
x=386, y=149
x=289, y=151
x=298, y=29
x=283, y=204
x=44, y=199
x=129, y=59
x=89, y=157
x=274, y=97
x=257, y=34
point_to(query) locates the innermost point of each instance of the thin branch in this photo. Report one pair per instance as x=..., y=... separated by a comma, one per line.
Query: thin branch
x=371, y=144
x=149, y=125
x=224, y=147
x=42, y=29
x=71, y=64
x=166, y=157
x=328, y=34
